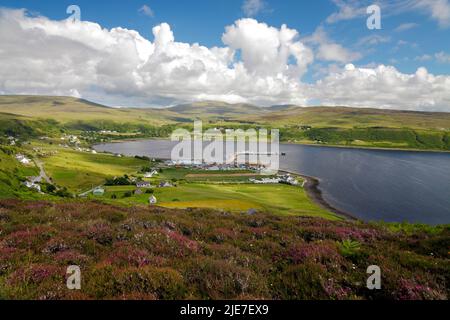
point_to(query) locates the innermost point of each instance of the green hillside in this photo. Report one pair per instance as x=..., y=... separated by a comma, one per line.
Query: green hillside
x=67, y=110
x=342, y=117
x=12, y=174
x=214, y=110
x=355, y=127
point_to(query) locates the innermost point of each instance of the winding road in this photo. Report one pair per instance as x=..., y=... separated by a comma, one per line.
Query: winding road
x=42, y=173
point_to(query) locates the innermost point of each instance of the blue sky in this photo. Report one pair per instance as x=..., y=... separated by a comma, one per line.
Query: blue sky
x=203, y=21
x=332, y=34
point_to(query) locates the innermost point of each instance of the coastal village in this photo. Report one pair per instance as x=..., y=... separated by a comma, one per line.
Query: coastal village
x=66, y=164
x=154, y=182
x=145, y=182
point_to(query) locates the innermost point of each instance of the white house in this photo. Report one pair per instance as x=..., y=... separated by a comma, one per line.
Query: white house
x=23, y=159
x=98, y=192
x=165, y=184
x=292, y=181
x=150, y=174
x=32, y=185
x=152, y=200
x=143, y=184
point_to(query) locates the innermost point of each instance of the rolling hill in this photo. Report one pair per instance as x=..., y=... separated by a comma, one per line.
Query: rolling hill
x=215, y=110
x=344, y=117
x=318, y=117
x=66, y=109
x=356, y=127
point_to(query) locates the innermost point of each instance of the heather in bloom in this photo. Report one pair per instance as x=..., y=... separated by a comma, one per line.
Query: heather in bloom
x=156, y=253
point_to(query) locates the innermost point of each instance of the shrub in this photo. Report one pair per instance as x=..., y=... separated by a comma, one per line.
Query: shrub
x=160, y=283
x=127, y=194
x=320, y=252
x=349, y=248
x=63, y=193
x=100, y=232
x=125, y=255
x=300, y=282
x=220, y=279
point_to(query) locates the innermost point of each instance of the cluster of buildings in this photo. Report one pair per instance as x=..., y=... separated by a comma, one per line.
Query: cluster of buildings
x=99, y=192
x=40, y=153
x=147, y=185
x=285, y=179
x=75, y=141
x=188, y=164
x=79, y=149
x=71, y=139
x=140, y=185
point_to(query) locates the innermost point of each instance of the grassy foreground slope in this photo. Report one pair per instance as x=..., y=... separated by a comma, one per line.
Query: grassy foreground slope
x=156, y=253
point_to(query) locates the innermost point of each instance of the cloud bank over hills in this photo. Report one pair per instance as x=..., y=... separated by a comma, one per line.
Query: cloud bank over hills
x=258, y=64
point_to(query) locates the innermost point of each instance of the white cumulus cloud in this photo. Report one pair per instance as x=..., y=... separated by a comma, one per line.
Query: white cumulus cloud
x=42, y=56
x=266, y=50
x=384, y=87
x=257, y=64
x=330, y=51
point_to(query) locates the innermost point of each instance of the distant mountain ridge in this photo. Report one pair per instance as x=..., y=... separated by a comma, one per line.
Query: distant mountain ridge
x=68, y=109
x=217, y=108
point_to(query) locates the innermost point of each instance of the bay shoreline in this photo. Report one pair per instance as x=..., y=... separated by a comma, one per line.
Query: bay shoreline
x=314, y=193
x=336, y=146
